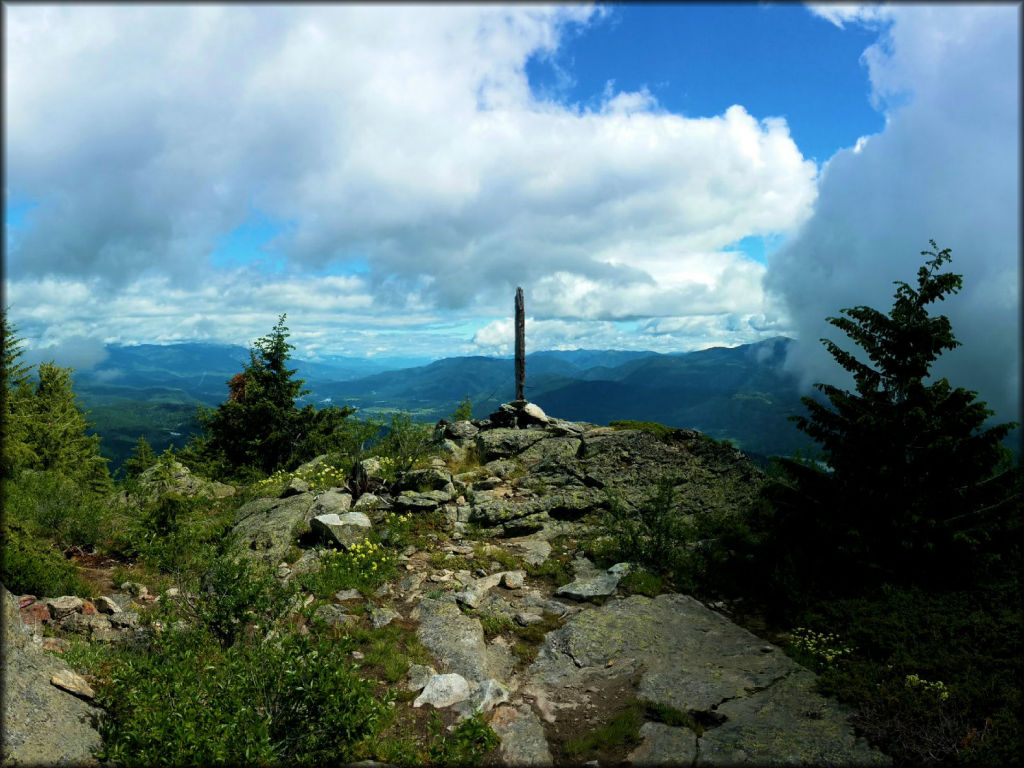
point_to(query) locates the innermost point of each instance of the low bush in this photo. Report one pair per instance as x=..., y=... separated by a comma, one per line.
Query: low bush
x=364, y=566
x=31, y=565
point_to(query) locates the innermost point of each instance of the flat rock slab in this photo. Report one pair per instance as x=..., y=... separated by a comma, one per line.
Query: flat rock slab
x=42, y=723
x=787, y=723
x=693, y=659
x=454, y=638
x=664, y=745
x=522, y=736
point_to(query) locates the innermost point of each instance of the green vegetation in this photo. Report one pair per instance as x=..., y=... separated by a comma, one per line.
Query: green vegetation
x=658, y=430
x=464, y=410
x=623, y=730
x=363, y=566
x=258, y=430
x=898, y=563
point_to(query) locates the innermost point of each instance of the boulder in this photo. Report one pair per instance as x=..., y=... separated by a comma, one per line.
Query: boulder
x=664, y=745
x=267, y=528
x=686, y=656
x=341, y=530
x=443, y=691
x=595, y=585
x=420, y=480
x=460, y=430
x=522, y=736
x=176, y=478
x=43, y=724
x=505, y=443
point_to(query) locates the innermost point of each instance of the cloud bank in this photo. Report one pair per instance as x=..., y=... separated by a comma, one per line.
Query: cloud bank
x=410, y=180
x=945, y=168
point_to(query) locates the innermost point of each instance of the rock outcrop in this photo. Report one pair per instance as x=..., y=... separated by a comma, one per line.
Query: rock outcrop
x=48, y=717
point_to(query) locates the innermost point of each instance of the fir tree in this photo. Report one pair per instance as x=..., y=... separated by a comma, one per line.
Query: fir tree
x=912, y=467
x=142, y=458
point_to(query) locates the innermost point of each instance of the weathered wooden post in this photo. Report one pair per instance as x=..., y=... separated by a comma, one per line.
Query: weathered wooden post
x=520, y=344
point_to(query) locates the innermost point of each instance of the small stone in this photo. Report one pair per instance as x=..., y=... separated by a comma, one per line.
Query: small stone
x=107, y=605
x=418, y=676
x=26, y=600
x=525, y=619
x=63, y=606
x=513, y=580
x=73, y=683
x=380, y=617
x=358, y=655
x=347, y=594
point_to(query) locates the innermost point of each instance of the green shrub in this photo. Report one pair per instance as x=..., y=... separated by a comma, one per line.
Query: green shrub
x=189, y=700
x=654, y=535
x=57, y=507
x=467, y=745
x=364, y=566
x=32, y=565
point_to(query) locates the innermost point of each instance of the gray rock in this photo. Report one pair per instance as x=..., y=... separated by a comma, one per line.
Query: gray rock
x=513, y=579
x=341, y=530
x=522, y=736
x=664, y=745
x=594, y=586
x=693, y=659
x=334, y=615
x=418, y=676
x=505, y=443
x=487, y=695
x=370, y=501
x=787, y=723
x=60, y=607
x=266, y=528
x=551, y=449
x=333, y=501
x=535, y=550
x=380, y=617
x=443, y=691
x=455, y=639
x=460, y=430
x=348, y=594
x=177, y=478
x=295, y=487
x=526, y=619
x=42, y=723
x=421, y=480
x=106, y=605
x=410, y=501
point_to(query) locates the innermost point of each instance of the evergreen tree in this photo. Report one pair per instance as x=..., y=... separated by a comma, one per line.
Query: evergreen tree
x=911, y=467
x=44, y=427
x=16, y=388
x=142, y=458
x=259, y=427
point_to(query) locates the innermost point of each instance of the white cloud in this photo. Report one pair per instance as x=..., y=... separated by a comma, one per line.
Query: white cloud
x=842, y=14
x=403, y=138
x=945, y=167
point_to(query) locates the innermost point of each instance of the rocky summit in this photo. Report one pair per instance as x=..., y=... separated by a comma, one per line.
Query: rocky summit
x=520, y=624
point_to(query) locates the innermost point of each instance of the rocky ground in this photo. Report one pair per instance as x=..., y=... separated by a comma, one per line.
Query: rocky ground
x=519, y=623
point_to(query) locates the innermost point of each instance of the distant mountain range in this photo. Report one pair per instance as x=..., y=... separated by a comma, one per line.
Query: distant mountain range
x=740, y=393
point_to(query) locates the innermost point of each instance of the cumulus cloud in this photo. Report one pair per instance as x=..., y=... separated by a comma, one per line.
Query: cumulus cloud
x=145, y=134
x=945, y=168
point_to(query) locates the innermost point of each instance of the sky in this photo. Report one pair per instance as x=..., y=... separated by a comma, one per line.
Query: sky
x=660, y=177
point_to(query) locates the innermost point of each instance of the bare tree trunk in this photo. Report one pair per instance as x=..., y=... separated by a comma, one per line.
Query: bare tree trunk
x=520, y=344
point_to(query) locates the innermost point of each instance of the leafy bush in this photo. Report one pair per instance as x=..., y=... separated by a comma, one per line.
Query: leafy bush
x=405, y=443
x=52, y=505
x=467, y=745
x=32, y=565
x=654, y=535
x=191, y=700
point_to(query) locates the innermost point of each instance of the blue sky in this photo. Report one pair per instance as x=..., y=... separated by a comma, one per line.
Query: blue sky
x=666, y=177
